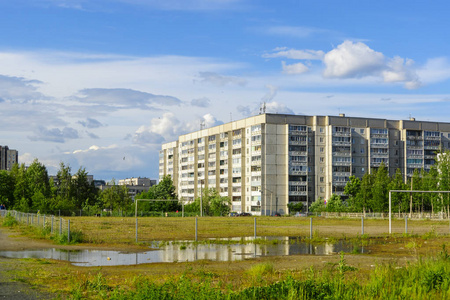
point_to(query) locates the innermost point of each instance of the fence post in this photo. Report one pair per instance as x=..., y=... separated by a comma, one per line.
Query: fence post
x=38, y=217
x=255, y=228
x=406, y=224
x=43, y=223
x=28, y=219
x=52, y=224
x=136, y=230
x=60, y=226
x=196, y=236
x=68, y=231
x=362, y=225
x=310, y=229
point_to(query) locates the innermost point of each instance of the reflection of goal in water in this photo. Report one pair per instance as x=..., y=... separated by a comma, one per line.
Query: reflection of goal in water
x=152, y=200
x=406, y=191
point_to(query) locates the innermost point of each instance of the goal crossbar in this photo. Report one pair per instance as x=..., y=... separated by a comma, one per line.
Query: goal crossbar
x=406, y=191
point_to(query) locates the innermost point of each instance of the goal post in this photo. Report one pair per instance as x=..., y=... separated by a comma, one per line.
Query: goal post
x=406, y=191
x=152, y=200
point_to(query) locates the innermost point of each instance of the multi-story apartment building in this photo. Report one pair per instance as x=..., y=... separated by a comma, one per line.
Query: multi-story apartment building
x=267, y=161
x=8, y=157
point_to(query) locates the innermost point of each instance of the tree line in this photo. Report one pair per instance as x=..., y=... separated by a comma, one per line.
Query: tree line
x=31, y=189
x=371, y=192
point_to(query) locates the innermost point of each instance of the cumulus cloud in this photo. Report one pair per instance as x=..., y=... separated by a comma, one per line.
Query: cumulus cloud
x=352, y=60
x=201, y=102
x=169, y=127
x=295, y=54
x=53, y=135
x=17, y=89
x=125, y=98
x=90, y=123
x=297, y=68
x=220, y=80
x=270, y=107
x=400, y=70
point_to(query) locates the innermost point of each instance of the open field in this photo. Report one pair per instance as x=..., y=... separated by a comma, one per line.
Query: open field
x=122, y=230
x=389, y=255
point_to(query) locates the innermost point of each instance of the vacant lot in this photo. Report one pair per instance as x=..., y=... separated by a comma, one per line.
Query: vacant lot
x=123, y=230
x=397, y=250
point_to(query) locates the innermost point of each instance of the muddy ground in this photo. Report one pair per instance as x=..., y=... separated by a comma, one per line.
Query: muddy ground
x=41, y=279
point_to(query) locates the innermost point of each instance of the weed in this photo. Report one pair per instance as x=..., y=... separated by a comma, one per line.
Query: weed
x=9, y=221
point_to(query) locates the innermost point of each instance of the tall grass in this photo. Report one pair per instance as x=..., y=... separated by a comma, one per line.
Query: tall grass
x=425, y=279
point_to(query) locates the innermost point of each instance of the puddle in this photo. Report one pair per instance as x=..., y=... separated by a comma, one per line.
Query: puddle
x=182, y=251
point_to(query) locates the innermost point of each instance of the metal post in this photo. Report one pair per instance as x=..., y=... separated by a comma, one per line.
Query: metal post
x=136, y=230
x=390, y=213
x=68, y=231
x=362, y=225
x=406, y=224
x=43, y=224
x=201, y=198
x=28, y=219
x=53, y=217
x=255, y=228
x=196, y=236
x=310, y=229
x=60, y=226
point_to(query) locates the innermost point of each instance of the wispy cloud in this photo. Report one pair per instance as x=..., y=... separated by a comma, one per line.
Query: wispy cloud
x=220, y=80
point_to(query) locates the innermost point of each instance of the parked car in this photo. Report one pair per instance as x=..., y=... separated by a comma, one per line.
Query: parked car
x=244, y=214
x=233, y=214
x=299, y=214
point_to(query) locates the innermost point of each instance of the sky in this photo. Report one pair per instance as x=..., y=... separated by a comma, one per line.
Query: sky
x=101, y=84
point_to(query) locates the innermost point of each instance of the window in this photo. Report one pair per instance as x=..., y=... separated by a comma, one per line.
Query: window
x=321, y=149
x=321, y=130
x=321, y=179
x=362, y=150
x=361, y=131
x=322, y=159
x=363, y=170
x=362, y=160
x=321, y=139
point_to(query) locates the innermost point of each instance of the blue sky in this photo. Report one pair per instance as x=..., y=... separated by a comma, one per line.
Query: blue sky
x=91, y=82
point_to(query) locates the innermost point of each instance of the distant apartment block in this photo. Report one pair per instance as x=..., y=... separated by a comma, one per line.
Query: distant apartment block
x=137, y=185
x=8, y=157
x=266, y=161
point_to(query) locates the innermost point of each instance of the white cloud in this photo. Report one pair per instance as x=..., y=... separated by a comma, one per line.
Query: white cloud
x=201, y=102
x=352, y=60
x=221, y=80
x=19, y=89
x=297, y=68
x=53, y=135
x=400, y=70
x=90, y=123
x=125, y=98
x=270, y=94
x=295, y=54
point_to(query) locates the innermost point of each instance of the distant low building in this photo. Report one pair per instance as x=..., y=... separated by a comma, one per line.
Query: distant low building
x=8, y=157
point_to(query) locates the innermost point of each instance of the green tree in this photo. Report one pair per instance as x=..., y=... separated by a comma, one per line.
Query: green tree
x=165, y=189
x=380, y=193
x=295, y=207
x=212, y=203
x=399, y=201
x=116, y=197
x=353, y=190
x=443, y=167
x=317, y=206
x=84, y=193
x=6, y=189
x=39, y=186
x=365, y=194
x=335, y=204
x=21, y=189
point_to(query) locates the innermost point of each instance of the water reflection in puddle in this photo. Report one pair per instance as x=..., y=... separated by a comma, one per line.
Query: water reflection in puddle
x=182, y=251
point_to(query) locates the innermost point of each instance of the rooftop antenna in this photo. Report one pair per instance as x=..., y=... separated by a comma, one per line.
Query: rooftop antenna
x=262, y=108
x=202, y=125
x=231, y=117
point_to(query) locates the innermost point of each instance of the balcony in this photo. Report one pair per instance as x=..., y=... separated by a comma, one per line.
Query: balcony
x=303, y=193
x=297, y=183
x=302, y=143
